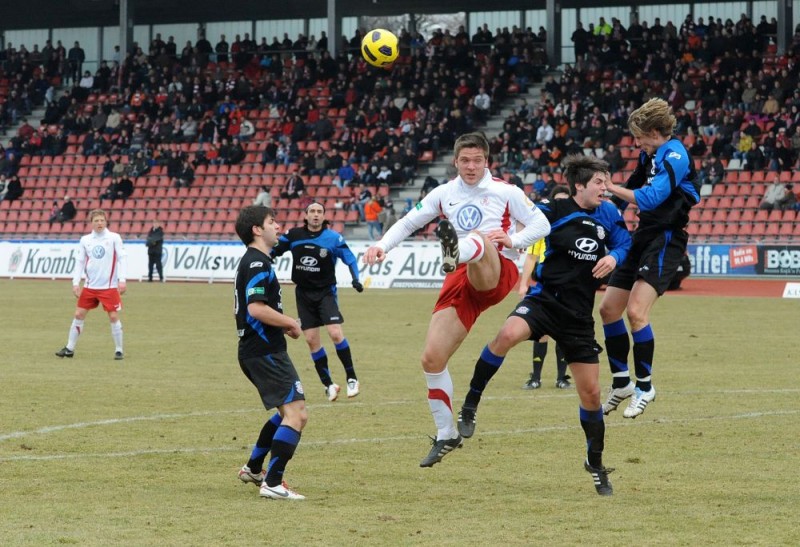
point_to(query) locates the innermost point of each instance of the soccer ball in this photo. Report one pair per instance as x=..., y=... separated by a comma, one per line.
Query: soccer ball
x=379, y=47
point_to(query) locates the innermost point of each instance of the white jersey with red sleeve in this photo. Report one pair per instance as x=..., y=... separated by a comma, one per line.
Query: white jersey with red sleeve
x=491, y=204
x=102, y=258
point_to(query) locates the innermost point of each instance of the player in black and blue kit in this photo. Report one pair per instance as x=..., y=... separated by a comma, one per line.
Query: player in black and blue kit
x=561, y=303
x=261, y=326
x=664, y=186
x=315, y=249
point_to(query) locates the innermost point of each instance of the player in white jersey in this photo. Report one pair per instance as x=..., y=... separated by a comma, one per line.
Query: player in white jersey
x=101, y=258
x=479, y=241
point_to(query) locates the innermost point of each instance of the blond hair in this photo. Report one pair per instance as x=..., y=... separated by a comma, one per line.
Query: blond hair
x=97, y=213
x=654, y=115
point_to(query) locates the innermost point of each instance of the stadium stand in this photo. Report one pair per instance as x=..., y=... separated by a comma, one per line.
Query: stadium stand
x=285, y=106
x=290, y=108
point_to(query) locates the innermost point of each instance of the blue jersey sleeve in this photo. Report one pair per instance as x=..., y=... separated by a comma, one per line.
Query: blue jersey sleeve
x=670, y=170
x=343, y=252
x=619, y=239
x=283, y=245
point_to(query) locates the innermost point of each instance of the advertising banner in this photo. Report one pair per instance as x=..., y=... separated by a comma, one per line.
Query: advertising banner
x=410, y=265
x=415, y=264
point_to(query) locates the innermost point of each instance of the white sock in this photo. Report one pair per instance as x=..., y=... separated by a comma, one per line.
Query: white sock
x=75, y=330
x=440, y=396
x=470, y=248
x=116, y=334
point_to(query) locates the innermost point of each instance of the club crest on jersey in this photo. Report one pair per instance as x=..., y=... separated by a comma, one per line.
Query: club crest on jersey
x=298, y=387
x=98, y=251
x=469, y=217
x=323, y=253
x=601, y=233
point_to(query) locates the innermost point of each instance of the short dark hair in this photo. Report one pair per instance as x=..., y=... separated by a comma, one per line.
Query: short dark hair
x=472, y=140
x=558, y=189
x=579, y=169
x=253, y=215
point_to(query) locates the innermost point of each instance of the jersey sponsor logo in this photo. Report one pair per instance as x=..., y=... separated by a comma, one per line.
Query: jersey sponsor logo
x=469, y=217
x=674, y=155
x=418, y=206
x=98, y=251
x=257, y=264
x=255, y=290
x=308, y=261
x=586, y=245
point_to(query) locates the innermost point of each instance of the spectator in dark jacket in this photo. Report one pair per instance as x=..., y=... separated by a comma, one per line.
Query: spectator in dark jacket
x=66, y=212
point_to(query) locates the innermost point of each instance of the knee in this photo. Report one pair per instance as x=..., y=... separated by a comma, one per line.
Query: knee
x=302, y=418
x=589, y=395
x=503, y=343
x=608, y=314
x=296, y=419
x=638, y=318
x=432, y=363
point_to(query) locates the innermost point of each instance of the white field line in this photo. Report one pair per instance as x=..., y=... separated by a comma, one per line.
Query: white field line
x=374, y=440
x=320, y=406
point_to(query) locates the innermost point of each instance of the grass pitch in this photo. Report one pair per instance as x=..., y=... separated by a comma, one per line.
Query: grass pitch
x=145, y=452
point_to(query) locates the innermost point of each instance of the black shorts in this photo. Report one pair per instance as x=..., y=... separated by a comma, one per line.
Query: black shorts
x=572, y=331
x=275, y=379
x=317, y=307
x=654, y=257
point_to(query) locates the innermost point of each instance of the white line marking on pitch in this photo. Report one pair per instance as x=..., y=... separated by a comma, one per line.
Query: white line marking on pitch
x=311, y=444
x=320, y=406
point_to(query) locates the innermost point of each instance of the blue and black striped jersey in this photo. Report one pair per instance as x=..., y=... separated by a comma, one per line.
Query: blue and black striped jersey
x=256, y=282
x=666, y=186
x=314, y=256
x=578, y=239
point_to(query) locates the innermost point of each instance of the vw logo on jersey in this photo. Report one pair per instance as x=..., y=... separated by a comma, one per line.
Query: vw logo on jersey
x=469, y=217
x=308, y=261
x=586, y=245
x=98, y=251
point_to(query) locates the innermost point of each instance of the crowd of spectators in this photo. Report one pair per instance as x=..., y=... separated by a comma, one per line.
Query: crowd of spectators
x=733, y=97
x=374, y=124
x=736, y=99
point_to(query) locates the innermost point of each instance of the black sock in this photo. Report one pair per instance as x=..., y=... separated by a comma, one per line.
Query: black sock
x=487, y=366
x=320, y=359
x=284, y=444
x=561, y=364
x=263, y=444
x=618, y=345
x=343, y=351
x=539, y=353
x=644, y=346
x=595, y=430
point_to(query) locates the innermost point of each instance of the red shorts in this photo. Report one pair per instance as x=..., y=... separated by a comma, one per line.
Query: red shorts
x=91, y=298
x=468, y=302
